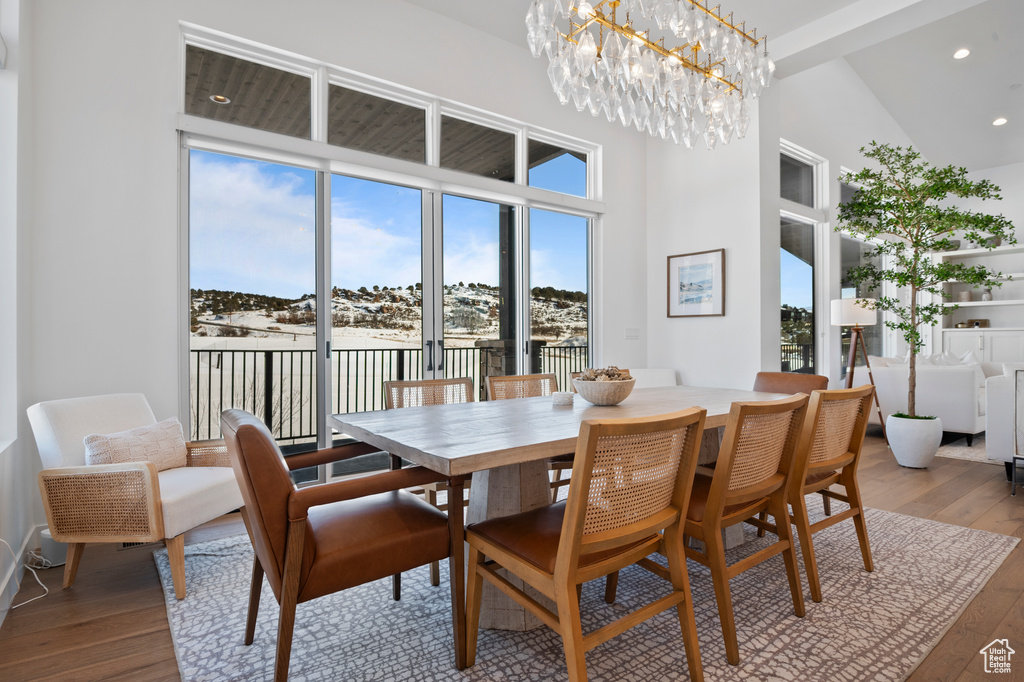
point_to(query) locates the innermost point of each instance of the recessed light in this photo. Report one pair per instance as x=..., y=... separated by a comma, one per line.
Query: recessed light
x=219, y=99
x=999, y=121
x=961, y=53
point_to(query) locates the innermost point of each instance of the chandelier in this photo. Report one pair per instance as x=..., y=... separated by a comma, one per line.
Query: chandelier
x=696, y=89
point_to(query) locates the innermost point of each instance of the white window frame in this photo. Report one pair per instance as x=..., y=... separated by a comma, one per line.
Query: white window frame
x=215, y=136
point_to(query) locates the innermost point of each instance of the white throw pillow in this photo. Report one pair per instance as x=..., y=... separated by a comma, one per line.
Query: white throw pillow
x=970, y=359
x=162, y=444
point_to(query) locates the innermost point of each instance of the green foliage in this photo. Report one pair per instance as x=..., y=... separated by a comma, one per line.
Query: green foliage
x=903, y=207
x=550, y=293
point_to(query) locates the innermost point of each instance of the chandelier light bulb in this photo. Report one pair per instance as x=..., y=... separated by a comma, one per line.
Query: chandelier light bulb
x=585, y=10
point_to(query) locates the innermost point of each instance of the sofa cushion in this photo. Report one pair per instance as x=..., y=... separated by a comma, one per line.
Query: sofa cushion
x=1010, y=368
x=982, y=395
x=191, y=496
x=161, y=443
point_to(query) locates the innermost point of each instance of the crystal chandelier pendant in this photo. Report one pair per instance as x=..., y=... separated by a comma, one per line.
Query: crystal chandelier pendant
x=710, y=136
x=691, y=134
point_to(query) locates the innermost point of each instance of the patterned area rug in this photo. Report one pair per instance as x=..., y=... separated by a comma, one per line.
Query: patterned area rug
x=871, y=626
x=957, y=449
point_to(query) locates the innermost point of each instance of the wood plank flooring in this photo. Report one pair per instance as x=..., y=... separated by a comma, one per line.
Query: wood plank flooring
x=112, y=624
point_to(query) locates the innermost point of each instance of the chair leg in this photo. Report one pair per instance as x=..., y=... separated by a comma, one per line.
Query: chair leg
x=571, y=627
x=254, y=600
x=803, y=530
x=849, y=480
x=779, y=508
x=176, y=556
x=289, y=597
x=826, y=502
x=71, y=563
x=763, y=516
x=611, y=586
x=474, y=588
x=687, y=619
x=435, y=566
x=715, y=547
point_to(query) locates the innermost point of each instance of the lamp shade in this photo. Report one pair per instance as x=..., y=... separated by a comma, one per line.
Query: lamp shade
x=853, y=312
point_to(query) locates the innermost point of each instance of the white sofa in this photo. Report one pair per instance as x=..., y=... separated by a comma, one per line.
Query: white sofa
x=999, y=421
x=954, y=394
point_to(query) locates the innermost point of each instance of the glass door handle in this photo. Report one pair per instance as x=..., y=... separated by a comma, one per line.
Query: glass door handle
x=440, y=355
x=430, y=356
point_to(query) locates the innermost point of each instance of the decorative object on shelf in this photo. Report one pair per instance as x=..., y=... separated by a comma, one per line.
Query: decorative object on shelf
x=901, y=207
x=961, y=325
x=991, y=242
x=696, y=284
x=987, y=294
x=857, y=313
x=964, y=297
x=608, y=386
x=980, y=323
x=954, y=244
x=604, y=61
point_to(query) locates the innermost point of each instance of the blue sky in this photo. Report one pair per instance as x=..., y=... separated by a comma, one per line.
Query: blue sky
x=797, y=280
x=252, y=230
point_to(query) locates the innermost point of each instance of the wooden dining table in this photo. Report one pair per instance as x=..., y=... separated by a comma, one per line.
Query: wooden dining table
x=504, y=444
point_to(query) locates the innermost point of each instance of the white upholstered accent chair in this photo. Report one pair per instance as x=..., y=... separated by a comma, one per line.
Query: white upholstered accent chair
x=127, y=502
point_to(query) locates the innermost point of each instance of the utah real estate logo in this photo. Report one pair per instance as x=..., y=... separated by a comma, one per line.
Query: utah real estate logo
x=997, y=656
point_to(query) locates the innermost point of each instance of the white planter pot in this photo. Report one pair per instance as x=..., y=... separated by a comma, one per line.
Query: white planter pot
x=914, y=442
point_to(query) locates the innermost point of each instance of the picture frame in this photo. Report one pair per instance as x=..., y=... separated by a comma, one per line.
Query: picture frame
x=696, y=284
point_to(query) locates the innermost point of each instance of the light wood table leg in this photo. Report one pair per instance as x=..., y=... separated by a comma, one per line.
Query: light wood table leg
x=500, y=492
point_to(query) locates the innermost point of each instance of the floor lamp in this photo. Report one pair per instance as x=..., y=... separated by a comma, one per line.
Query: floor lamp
x=857, y=313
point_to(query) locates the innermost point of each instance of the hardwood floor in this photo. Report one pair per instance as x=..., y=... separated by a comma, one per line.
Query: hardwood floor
x=112, y=624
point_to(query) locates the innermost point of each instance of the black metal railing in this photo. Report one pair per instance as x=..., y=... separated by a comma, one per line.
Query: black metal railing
x=797, y=357
x=279, y=386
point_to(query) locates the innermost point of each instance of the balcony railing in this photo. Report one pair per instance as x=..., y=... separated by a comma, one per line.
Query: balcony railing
x=279, y=386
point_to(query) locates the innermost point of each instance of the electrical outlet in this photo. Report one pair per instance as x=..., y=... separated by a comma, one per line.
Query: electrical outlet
x=632, y=333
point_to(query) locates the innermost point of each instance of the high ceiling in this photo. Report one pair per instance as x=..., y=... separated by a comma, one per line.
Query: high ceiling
x=901, y=49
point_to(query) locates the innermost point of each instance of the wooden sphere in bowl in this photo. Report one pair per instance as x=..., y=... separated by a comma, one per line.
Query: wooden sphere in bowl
x=604, y=392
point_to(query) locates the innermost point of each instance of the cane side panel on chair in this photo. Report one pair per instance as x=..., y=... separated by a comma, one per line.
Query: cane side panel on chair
x=830, y=449
x=631, y=481
x=128, y=501
x=521, y=386
x=751, y=476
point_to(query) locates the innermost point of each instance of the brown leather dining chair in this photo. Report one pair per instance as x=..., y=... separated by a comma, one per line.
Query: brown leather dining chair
x=789, y=382
x=420, y=393
x=629, y=488
x=829, y=454
x=317, y=540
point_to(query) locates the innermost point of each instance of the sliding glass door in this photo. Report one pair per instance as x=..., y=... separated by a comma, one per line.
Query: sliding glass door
x=252, y=296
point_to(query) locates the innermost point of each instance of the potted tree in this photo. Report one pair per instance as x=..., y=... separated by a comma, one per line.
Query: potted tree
x=902, y=207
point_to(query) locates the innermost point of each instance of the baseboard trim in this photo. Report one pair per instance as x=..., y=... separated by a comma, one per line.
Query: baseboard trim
x=8, y=590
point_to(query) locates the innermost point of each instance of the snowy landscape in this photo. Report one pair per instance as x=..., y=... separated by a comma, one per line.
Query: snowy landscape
x=377, y=318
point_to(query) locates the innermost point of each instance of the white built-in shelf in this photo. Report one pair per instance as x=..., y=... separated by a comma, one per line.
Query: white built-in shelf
x=983, y=329
x=983, y=304
x=1008, y=276
x=967, y=253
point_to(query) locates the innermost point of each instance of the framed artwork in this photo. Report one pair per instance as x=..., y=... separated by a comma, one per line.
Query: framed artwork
x=696, y=284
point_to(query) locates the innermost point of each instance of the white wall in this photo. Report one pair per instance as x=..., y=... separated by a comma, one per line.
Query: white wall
x=700, y=200
x=1010, y=180
x=102, y=240
x=19, y=505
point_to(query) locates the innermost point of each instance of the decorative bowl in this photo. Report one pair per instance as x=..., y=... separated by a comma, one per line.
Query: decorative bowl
x=604, y=392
